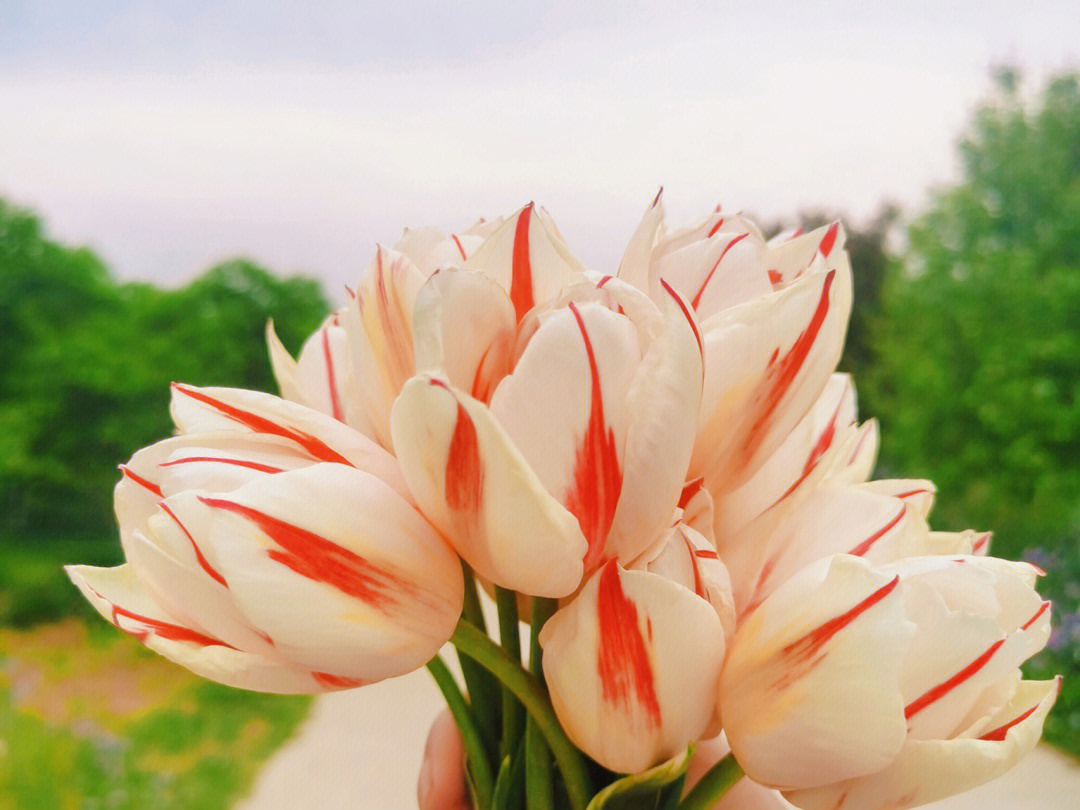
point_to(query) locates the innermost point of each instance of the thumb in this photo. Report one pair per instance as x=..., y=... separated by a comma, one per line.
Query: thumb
x=441, y=785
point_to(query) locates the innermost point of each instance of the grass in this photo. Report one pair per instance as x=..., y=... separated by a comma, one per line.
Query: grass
x=90, y=719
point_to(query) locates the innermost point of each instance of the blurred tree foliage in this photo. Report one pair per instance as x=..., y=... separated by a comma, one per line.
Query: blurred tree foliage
x=86, y=365
x=976, y=377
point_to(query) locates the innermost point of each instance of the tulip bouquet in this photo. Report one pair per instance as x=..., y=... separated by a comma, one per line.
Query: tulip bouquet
x=657, y=470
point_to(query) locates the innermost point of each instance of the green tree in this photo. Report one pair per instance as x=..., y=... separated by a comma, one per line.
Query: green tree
x=87, y=364
x=977, y=375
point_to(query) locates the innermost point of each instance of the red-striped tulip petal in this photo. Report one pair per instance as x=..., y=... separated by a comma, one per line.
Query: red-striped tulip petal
x=805, y=451
x=320, y=437
x=380, y=331
x=826, y=647
x=117, y=595
x=474, y=485
x=322, y=376
x=928, y=770
x=766, y=363
x=464, y=327
x=432, y=250
x=380, y=590
x=633, y=663
x=634, y=267
x=527, y=257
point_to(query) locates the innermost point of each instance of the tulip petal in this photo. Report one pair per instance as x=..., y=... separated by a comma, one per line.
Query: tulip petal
x=380, y=589
x=283, y=365
x=324, y=370
x=117, y=595
x=766, y=363
x=663, y=403
x=918, y=494
x=464, y=327
x=687, y=558
x=432, y=250
x=827, y=646
x=575, y=441
x=527, y=258
x=793, y=258
x=177, y=576
x=379, y=328
x=634, y=267
x=322, y=437
x=977, y=620
x=928, y=770
x=473, y=484
x=223, y=461
x=632, y=663
x=789, y=467
x=716, y=273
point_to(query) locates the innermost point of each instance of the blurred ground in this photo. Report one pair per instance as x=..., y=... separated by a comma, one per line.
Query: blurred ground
x=91, y=719
x=358, y=748
x=362, y=748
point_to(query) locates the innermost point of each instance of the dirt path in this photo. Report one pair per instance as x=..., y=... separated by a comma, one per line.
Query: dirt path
x=360, y=750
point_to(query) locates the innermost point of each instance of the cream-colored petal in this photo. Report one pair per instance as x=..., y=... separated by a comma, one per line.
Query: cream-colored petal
x=474, y=485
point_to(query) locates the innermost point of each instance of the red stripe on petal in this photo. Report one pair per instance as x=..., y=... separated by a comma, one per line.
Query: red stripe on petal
x=597, y=480
x=260, y=424
x=691, y=489
x=819, y=449
x=775, y=277
x=708, y=277
x=865, y=545
x=203, y=562
x=331, y=382
x=689, y=317
x=319, y=559
x=698, y=589
x=460, y=249
x=464, y=469
x=130, y=474
x=829, y=240
x=521, y=285
x=715, y=228
x=337, y=681
x=623, y=661
x=394, y=319
x=234, y=462
x=813, y=641
x=943, y=688
x=1045, y=606
x=706, y=554
x=784, y=370
x=999, y=733
x=161, y=629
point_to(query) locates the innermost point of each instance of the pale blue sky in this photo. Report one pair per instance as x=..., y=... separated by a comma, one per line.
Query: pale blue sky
x=170, y=135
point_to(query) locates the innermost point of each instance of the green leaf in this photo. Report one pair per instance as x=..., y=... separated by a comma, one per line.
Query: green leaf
x=510, y=783
x=648, y=790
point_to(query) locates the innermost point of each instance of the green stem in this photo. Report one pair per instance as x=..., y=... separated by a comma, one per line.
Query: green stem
x=538, y=788
x=713, y=785
x=482, y=687
x=470, y=733
x=533, y=696
x=512, y=713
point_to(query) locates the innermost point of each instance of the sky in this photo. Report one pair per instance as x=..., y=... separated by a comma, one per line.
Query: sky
x=171, y=135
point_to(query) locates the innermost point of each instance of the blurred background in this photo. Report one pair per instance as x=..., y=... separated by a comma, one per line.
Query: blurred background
x=173, y=174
